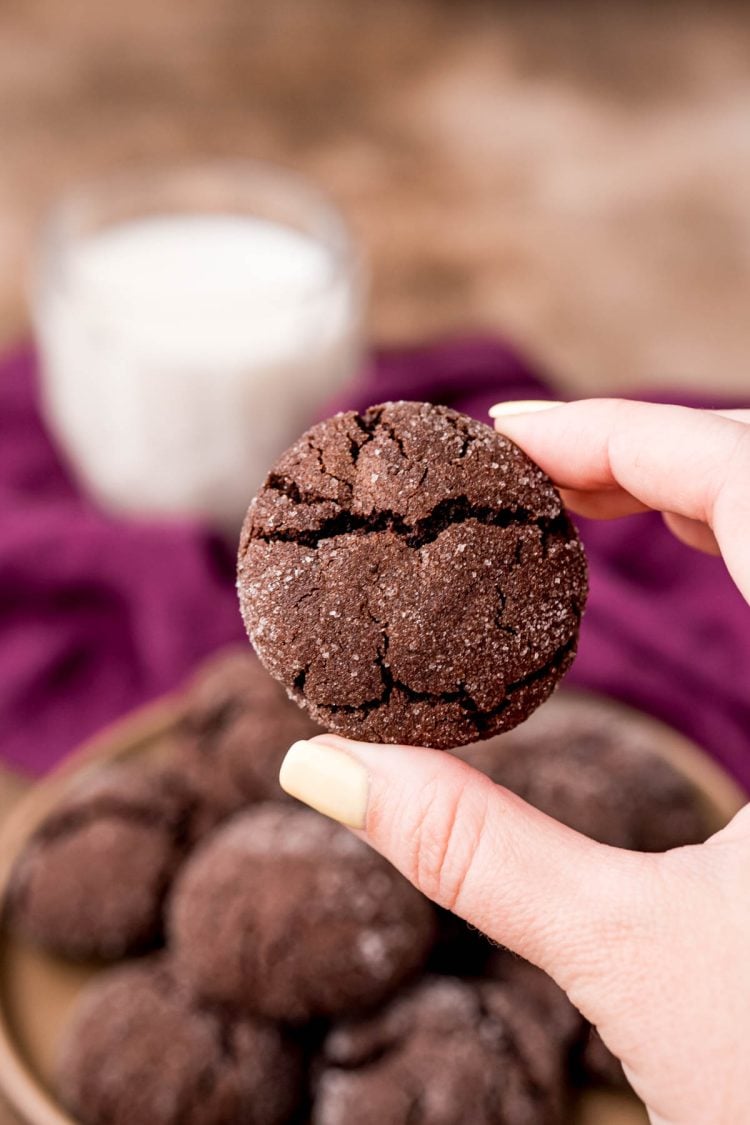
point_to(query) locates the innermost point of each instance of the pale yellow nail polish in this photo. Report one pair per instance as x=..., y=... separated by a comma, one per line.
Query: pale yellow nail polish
x=521, y=406
x=326, y=779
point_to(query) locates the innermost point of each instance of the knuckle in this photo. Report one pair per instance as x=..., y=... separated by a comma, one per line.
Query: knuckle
x=446, y=831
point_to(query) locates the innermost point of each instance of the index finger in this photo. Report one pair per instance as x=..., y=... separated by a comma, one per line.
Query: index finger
x=693, y=463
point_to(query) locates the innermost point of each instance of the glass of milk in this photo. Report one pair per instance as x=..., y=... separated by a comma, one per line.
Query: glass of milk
x=191, y=323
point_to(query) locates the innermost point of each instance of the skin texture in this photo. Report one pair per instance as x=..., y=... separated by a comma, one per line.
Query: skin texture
x=652, y=948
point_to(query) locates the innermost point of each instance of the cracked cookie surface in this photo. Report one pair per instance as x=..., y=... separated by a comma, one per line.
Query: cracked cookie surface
x=289, y=916
x=236, y=728
x=448, y=1052
x=92, y=879
x=597, y=770
x=411, y=576
x=138, y=1048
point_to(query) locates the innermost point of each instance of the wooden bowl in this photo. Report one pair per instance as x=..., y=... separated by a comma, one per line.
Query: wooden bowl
x=37, y=990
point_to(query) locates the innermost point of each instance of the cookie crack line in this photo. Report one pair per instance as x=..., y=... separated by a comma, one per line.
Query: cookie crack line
x=481, y=720
x=368, y=425
x=370, y=1056
x=69, y=821
x=534, y=1088
x=445, y=514
x=221, y=1020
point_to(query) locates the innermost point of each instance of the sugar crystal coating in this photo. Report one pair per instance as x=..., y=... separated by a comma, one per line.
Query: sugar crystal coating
x=288, y=915
x=138, y=1049
x=592, y=768
x=410, y=576
x=448, y=1052
x=93, y=877
x=236, y=727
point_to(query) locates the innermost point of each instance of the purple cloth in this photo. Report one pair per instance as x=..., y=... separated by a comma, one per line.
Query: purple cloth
x=99, y=614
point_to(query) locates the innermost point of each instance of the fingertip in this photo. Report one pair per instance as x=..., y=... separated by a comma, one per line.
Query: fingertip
x=329, y=738
x=325, y=777
x=522, y=406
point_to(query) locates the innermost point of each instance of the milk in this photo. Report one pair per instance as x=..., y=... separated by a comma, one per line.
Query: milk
x=182, y=353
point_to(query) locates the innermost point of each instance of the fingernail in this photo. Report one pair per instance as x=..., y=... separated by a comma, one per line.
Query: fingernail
x=521, y=406
x=328, y=780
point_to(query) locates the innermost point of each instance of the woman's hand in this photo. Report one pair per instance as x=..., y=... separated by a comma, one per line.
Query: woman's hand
x=610, y=457
x=653, y=949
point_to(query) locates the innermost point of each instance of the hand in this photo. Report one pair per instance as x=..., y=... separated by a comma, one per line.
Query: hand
x=653, y=949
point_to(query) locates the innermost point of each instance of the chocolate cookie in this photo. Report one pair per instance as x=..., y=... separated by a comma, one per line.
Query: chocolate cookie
x=138, y=1050
x=594, y=1063
x=288, y=915
x=237, y=726
x=92, y=880
x=447, y=1053
x=590, y=1060
x=536, y=989
x=410, y=576
x=460, y=950
x=590, y=765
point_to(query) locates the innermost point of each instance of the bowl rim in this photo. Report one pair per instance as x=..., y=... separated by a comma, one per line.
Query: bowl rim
x=24, y=1093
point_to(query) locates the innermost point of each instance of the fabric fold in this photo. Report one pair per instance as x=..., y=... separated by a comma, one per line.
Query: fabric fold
x=100, y=614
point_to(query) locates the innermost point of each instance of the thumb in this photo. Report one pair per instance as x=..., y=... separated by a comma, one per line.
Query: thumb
x=574, y=907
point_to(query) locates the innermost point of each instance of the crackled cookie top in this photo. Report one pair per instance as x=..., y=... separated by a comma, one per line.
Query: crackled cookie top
x=91, y=881
x=448, y=1051
x=237, y=725
x=410, y=576
x=139, y=1049
x=287, y=915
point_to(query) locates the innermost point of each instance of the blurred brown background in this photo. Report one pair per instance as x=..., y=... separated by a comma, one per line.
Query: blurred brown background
x=576, y=175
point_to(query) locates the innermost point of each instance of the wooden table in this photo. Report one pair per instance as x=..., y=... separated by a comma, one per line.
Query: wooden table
x=574, y=174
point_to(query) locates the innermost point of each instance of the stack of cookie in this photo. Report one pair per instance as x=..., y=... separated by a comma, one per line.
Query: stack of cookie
x=278, y=969
x=94, y=879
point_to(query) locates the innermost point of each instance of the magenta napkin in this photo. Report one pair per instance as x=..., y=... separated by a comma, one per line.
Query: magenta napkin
x=99, y=614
